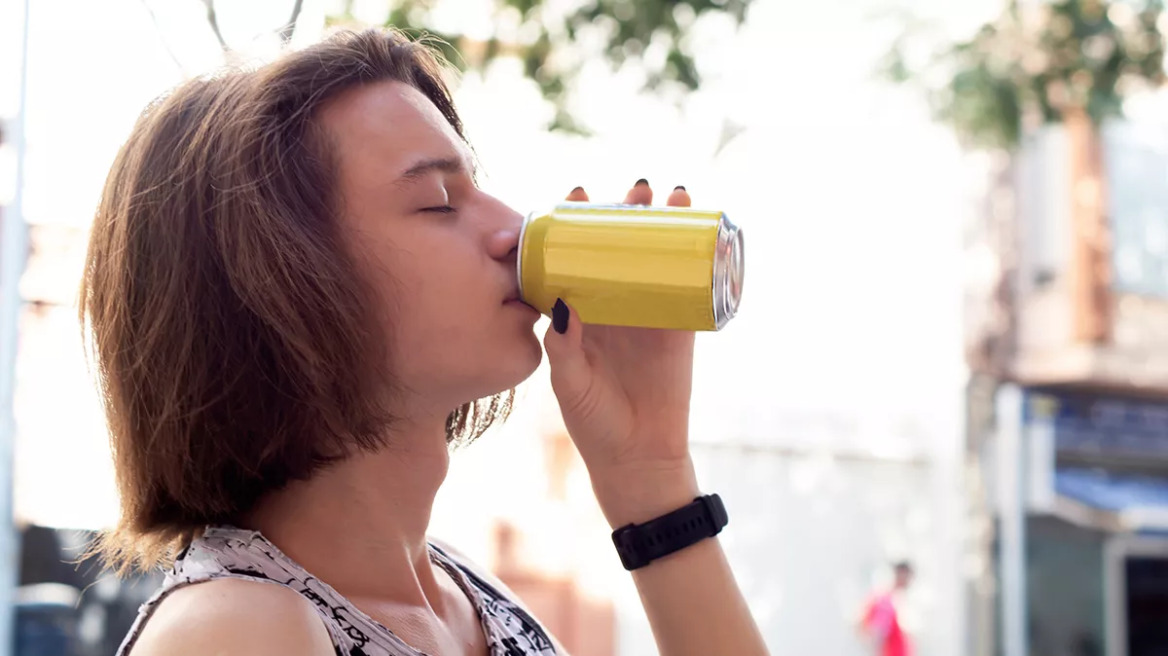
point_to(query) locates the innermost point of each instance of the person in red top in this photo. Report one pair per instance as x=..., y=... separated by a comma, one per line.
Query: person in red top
x=881, y=625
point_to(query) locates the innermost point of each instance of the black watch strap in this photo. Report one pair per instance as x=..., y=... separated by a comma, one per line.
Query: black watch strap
x=640, y=544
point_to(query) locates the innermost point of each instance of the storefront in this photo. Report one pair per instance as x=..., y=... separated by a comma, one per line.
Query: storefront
x=1082, y=487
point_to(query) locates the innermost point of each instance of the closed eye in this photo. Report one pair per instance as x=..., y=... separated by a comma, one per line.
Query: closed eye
x=439, y=209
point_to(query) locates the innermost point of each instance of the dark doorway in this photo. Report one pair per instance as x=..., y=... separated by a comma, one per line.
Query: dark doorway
x=1147, y=606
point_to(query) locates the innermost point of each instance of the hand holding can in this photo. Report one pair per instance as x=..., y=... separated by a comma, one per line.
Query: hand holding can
x=624, y=391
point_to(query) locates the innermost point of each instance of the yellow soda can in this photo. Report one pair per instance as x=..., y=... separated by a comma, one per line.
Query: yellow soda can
x=633, y=265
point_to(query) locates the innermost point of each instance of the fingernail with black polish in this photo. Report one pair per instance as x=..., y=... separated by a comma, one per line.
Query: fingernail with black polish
x=560, y=316
x=642, y=181
x=679, y=188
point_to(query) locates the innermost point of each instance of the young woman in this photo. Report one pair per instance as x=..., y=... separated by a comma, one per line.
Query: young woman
x=298, y=299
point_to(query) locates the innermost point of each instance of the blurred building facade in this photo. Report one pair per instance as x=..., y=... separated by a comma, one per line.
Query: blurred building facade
x=1067, y=431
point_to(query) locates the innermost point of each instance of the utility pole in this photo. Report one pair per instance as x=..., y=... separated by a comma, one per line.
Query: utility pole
x=13, y=253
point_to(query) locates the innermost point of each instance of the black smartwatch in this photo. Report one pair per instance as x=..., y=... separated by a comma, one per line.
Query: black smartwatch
x=640, y=544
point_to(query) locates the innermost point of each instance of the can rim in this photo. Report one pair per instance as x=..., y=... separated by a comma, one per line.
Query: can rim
x=519, y=250
x=729, y=266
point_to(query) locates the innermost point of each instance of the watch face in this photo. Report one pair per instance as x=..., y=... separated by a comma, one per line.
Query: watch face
x=717, y=511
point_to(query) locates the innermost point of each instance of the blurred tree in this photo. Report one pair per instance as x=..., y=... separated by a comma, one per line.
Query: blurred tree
x=553, y=42
x=1072, y=62
x=284, y=31
x=1037, y=64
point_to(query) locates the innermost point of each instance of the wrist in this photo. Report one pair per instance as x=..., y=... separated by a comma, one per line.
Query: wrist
x=635, y=494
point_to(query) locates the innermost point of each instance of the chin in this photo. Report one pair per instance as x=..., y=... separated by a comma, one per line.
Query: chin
x=519, y=362
x=513, y=363
x=527, y=359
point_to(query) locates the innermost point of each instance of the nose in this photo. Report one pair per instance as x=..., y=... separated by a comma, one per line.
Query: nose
x=503, y=241
x=503, y=244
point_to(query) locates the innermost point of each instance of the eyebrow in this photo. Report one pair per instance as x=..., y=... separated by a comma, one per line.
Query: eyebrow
x=420, y=170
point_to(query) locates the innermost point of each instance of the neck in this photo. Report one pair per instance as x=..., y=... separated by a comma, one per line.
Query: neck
x=371, y=507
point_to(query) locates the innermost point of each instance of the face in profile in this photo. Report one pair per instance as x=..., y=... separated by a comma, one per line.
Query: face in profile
x=438, y=252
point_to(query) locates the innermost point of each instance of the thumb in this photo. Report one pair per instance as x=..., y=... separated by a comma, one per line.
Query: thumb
x=569, y=366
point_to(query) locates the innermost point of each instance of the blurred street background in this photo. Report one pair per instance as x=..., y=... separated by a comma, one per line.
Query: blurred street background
x=952, y=347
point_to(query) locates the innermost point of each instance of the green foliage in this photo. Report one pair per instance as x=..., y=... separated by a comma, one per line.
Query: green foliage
x=1031, y=67
x=552, y=58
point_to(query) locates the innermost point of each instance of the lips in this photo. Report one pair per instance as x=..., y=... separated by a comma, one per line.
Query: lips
x=516, y=300
x=513, y=296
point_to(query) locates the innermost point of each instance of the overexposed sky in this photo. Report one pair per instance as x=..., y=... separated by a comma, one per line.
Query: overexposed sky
x=851, y=201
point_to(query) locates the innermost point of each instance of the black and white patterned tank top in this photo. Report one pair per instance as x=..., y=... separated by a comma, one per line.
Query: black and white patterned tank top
x=226, y=552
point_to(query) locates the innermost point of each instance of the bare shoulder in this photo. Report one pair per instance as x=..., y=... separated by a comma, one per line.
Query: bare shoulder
x=234, y=616
x=496, y=583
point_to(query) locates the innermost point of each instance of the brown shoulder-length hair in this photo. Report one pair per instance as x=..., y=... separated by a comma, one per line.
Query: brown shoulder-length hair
x=235, y=346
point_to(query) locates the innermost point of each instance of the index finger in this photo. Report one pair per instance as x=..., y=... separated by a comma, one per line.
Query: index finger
x=640, y=194
x=679, y=197
x=578, y=195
